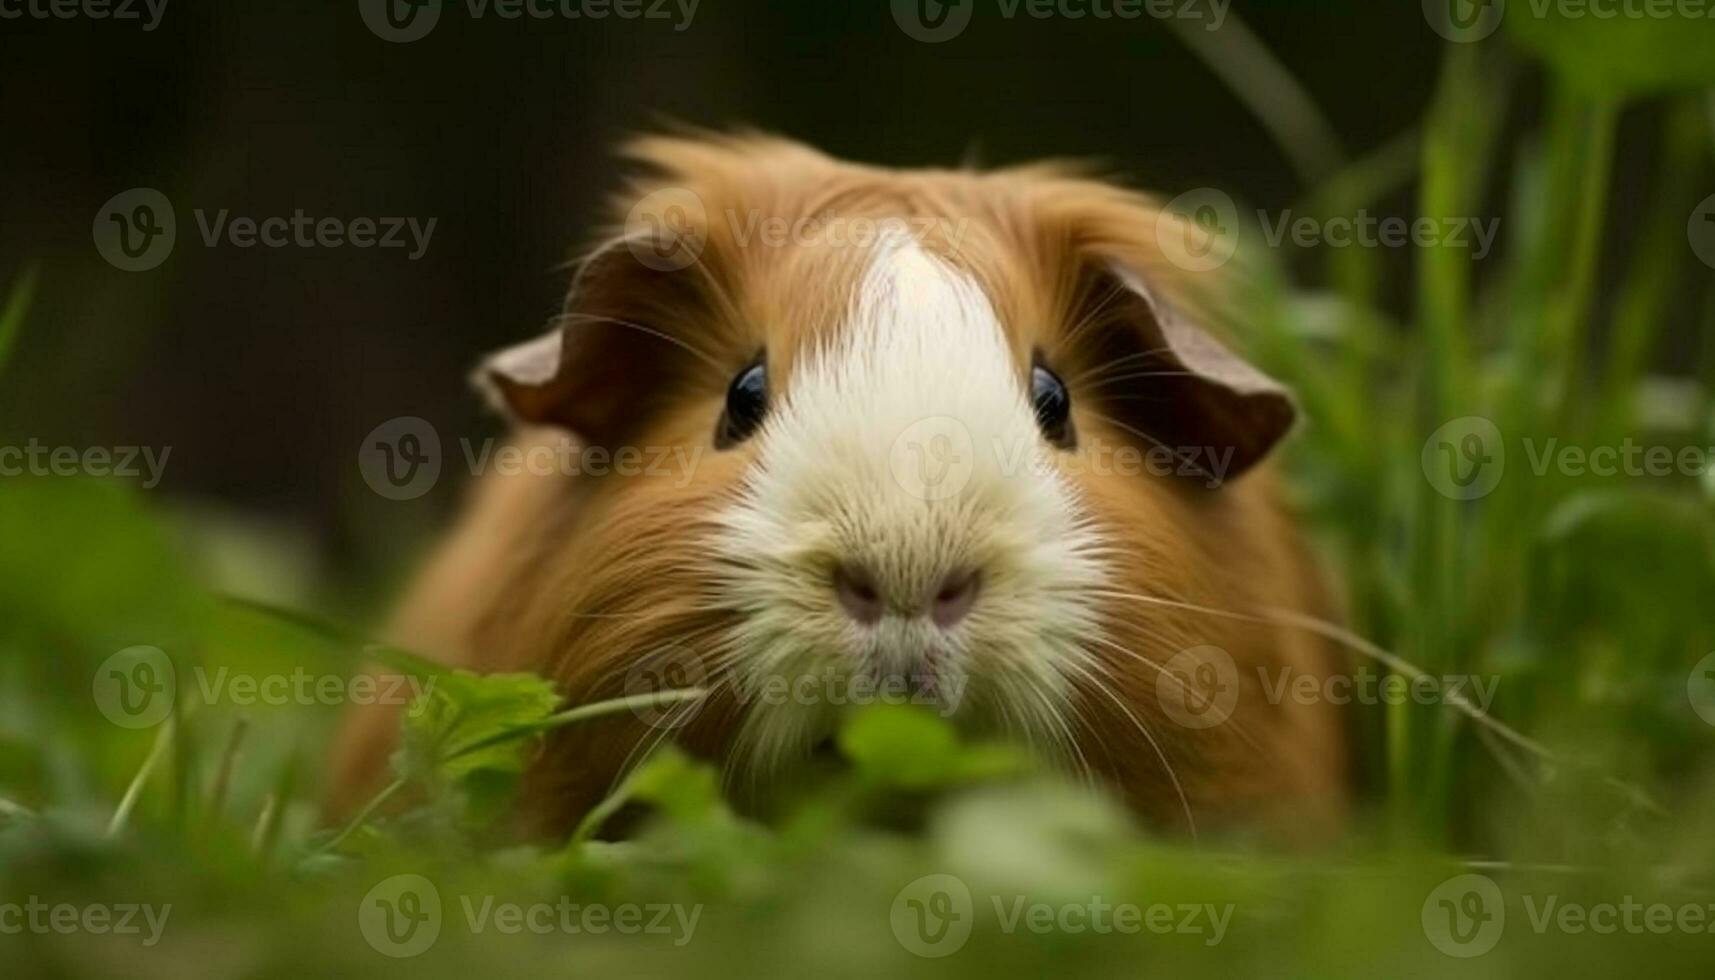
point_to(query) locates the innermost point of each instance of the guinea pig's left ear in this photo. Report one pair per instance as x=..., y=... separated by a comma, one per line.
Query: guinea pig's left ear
x=605, y=370
x=1205, y=402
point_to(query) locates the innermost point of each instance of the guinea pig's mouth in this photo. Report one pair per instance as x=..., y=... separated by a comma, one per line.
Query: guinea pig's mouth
x=930, y=682
x=826, y=752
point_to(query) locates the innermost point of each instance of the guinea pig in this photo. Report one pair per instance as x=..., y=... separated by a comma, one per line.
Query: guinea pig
x=971, y=439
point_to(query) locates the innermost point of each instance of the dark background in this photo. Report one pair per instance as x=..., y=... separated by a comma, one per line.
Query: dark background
x=263, y=368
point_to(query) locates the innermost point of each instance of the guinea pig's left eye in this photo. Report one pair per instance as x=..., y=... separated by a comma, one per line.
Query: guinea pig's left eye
x=746, y=406
x=1053, y=406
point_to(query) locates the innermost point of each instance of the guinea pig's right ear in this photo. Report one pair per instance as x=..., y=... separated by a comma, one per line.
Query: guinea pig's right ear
x=602, y=370
x=1195, y=394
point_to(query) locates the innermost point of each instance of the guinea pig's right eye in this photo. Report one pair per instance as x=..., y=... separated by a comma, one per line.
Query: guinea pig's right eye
x=1053, y=406
x=746, y=406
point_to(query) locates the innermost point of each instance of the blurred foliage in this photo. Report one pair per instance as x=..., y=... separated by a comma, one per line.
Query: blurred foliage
x=1588, y=597
x=1617, y=56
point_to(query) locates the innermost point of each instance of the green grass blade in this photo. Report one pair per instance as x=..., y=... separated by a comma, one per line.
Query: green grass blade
x=12, y=315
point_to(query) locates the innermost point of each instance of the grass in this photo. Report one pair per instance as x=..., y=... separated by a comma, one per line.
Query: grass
x=1586, y=597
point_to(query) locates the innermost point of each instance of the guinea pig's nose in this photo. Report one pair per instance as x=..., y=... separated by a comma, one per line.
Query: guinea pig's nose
x=954, y=599
x=857, y=593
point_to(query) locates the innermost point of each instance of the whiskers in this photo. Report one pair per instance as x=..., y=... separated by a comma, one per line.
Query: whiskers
x=1491, y=728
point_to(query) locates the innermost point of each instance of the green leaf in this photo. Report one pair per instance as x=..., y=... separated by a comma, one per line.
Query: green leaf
x=687, y=790
x=909, y=748
x=1618, y=57
x=900, y=746
x=456, y=729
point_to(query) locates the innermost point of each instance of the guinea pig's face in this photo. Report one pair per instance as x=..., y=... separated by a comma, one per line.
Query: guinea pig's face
x=946, y=426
